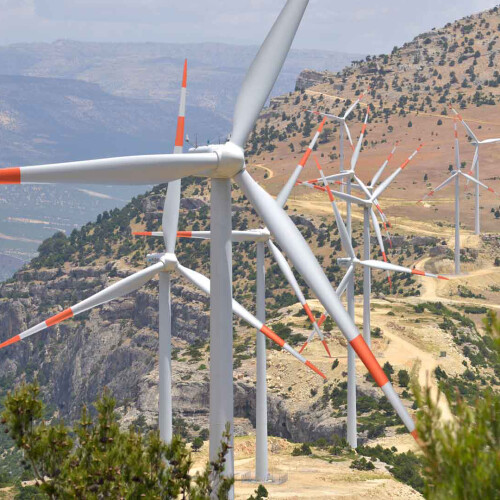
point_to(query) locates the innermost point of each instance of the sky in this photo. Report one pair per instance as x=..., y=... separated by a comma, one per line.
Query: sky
x=358, y=26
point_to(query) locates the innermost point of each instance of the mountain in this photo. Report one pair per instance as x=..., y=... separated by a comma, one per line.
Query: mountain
x=432, y=327
x=408, y=93
x=71, y=100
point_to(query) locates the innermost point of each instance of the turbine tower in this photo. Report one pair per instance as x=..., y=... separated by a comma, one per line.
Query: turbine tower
x=475, y=167
x=456, y=174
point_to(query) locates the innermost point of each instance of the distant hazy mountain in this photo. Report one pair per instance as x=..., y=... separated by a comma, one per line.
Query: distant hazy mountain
x=70, y=100
x=152, y=70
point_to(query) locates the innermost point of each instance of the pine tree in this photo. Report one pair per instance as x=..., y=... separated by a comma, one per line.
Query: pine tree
x=96, y=459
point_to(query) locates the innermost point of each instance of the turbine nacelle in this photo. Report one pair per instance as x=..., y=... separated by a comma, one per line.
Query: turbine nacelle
x=231, y=159
x=169, y=260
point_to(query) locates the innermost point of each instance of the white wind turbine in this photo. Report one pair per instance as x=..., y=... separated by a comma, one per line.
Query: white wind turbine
x=260, y=236
x=222, y=163
x=343, y=128
x=475, y=167
x=456, y=173
x=372, y=195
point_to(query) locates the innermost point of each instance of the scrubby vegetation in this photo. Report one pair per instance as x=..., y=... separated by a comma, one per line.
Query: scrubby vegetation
x=95, y=459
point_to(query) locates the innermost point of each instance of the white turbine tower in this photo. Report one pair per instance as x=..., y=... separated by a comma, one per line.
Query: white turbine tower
x=222, y=163
x=456, y=173
x=475, y=166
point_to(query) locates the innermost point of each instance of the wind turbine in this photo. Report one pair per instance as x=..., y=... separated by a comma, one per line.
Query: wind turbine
x=457, y=172
x=475, y=167
x=342, y=121
x=372, y=195
x=261, y=236
x=222, y=163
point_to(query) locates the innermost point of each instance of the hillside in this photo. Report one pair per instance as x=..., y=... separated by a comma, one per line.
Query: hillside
x=433, y=327
x=72, y=100
x=116, y=345
x=410, y=92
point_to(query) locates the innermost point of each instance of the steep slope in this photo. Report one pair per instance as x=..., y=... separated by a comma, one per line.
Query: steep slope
x=409, y=94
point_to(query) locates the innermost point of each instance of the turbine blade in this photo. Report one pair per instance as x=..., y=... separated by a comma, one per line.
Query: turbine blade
x=469, y=131
x=297, y=249
x=383, y=186
x=358, y=100
x=148, y=233
x=265, y=69
x=350, y=197
x=348, y=132
x=170, y=217
x=380, y=171
x=343, y=233
x=441, y=186
x=287, y=188
x=203, y=283
x=134, y=170
x=115, y=291
x=490, y=141
x=387, y=266
x=290, y=277
x=343, y=284
x=380, y=240
x=376, y=227
x=479, y=183
x=355, y=156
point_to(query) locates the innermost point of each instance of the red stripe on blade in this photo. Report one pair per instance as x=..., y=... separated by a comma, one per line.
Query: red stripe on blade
x=184, y=74
x=416, y=271
x=13, y=340
x=67, y=313
x=326, y=348
x=10, y=175
x=306, y=156
x=321, y=125
x=303, y=347
x=321, y=320
x=179, y=138
x=270, y=334
x=365, y=354
x=309, y=313
x=184, y=234
x=143, y=233
x=414, y=433
x=314, y=369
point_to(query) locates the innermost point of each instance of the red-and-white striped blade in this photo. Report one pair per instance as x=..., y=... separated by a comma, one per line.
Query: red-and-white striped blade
x=293, y=243
x=287, y=188
x=441, y=186
x=479, y=183
x=131, y=170
x=355, y=156
x=355, y=103
x=380, y=171
x=115, y=291
x=470, y=133
x=385, y=184
x=387, y=266
x=171, y=206
x=203, y=283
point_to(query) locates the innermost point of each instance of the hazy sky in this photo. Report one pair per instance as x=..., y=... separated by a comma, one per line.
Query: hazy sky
x=366, y=26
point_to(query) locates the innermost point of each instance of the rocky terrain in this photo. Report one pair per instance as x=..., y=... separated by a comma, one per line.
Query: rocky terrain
x=431, y=327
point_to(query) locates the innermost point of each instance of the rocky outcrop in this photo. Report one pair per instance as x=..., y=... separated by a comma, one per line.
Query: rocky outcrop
x=309, y=78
